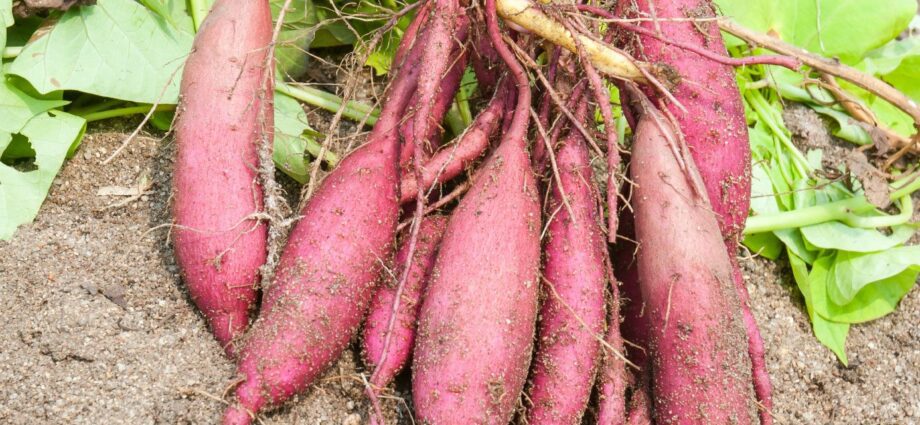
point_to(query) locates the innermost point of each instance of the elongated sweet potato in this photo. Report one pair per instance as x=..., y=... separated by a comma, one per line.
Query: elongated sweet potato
x=714, y=128
x=451, y=160
x=381, y=310
x=701, y=369
x=219, y=246
x=572, y=314
x=477, y=321
x=328, y=269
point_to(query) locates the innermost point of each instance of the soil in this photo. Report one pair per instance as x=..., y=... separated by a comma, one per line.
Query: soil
x=98, y=327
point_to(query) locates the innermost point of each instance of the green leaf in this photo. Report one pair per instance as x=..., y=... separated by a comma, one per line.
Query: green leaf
x=898, y=63
x=826, y=27
x=290, y=154
x=158, y=7
x=889, y=57
x=19, y=34
x=836, y=235
x=765, y=244
x=847, y=127
x=22, y=192
x=380, y=61
x=17, y=108
x=872, y=302
x=832, y=334
x=6, y=17
x=179, y=15
x=3, y=25
x=794, y=242
x=162, y=120
x=856, y=270
x=116, y=49
x=763, y=200
x=904, y=78
x=296, y=37
x=291, y=55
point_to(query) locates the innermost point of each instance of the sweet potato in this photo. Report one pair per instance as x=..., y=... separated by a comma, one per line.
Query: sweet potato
x=328, y=269
x=476, y=325
x=381, y=310
x=477, y=321
x=701, y=370
x=219, y=245
x=443, y=99
x=572, y=314
x=714, y=128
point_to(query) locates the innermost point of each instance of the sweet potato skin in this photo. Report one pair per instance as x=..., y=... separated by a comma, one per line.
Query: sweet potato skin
x=701, y=370
x=573, y=310
x=328, y=269
x=476, y=325
x=381, y=309
x=714, y=128
x=324, y=281
x=713, y=125
x=219, y=246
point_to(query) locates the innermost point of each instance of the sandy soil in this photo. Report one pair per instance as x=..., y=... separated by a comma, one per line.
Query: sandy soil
x=98, y=328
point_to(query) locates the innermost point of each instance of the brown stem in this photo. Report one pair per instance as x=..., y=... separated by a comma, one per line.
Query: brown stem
x=862, y=113
x=829, y=66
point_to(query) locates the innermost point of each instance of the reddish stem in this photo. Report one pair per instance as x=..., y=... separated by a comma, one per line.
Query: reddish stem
x=412, y=32
x=779, y=60
x=518, y=128
x=451, y=160
x=539, y=149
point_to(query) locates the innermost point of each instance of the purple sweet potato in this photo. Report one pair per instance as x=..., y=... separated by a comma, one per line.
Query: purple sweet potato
x=444, y=98
x=698, y=351
x=328, y=269
x=381, y=310
x=572, y=314
x=476, y=326
x=218, y=243
x=713, y=125
x=714, y=128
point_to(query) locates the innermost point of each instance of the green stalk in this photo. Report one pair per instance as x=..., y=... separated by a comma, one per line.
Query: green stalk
x=764, y=111
x=198, y=9
x=846, y=211
x=355, y=111
x=802, y=217
x=465, y=112
x=123, y=112
x=907, y=209
x=455, y=121
x=96, y=107
x=313, y=149
x=12, y=52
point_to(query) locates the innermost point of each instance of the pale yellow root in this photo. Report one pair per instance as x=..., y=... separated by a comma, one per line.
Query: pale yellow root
x=605, y=59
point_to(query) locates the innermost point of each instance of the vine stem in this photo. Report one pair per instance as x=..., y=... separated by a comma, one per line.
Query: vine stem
x=606, y=59
x=846, y=211
x=779, y=60
x=353, y=110
x=123, y=112
x=828, y=66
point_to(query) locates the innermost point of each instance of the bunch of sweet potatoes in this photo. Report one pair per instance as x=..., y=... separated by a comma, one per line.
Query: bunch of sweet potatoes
x=511, y=289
